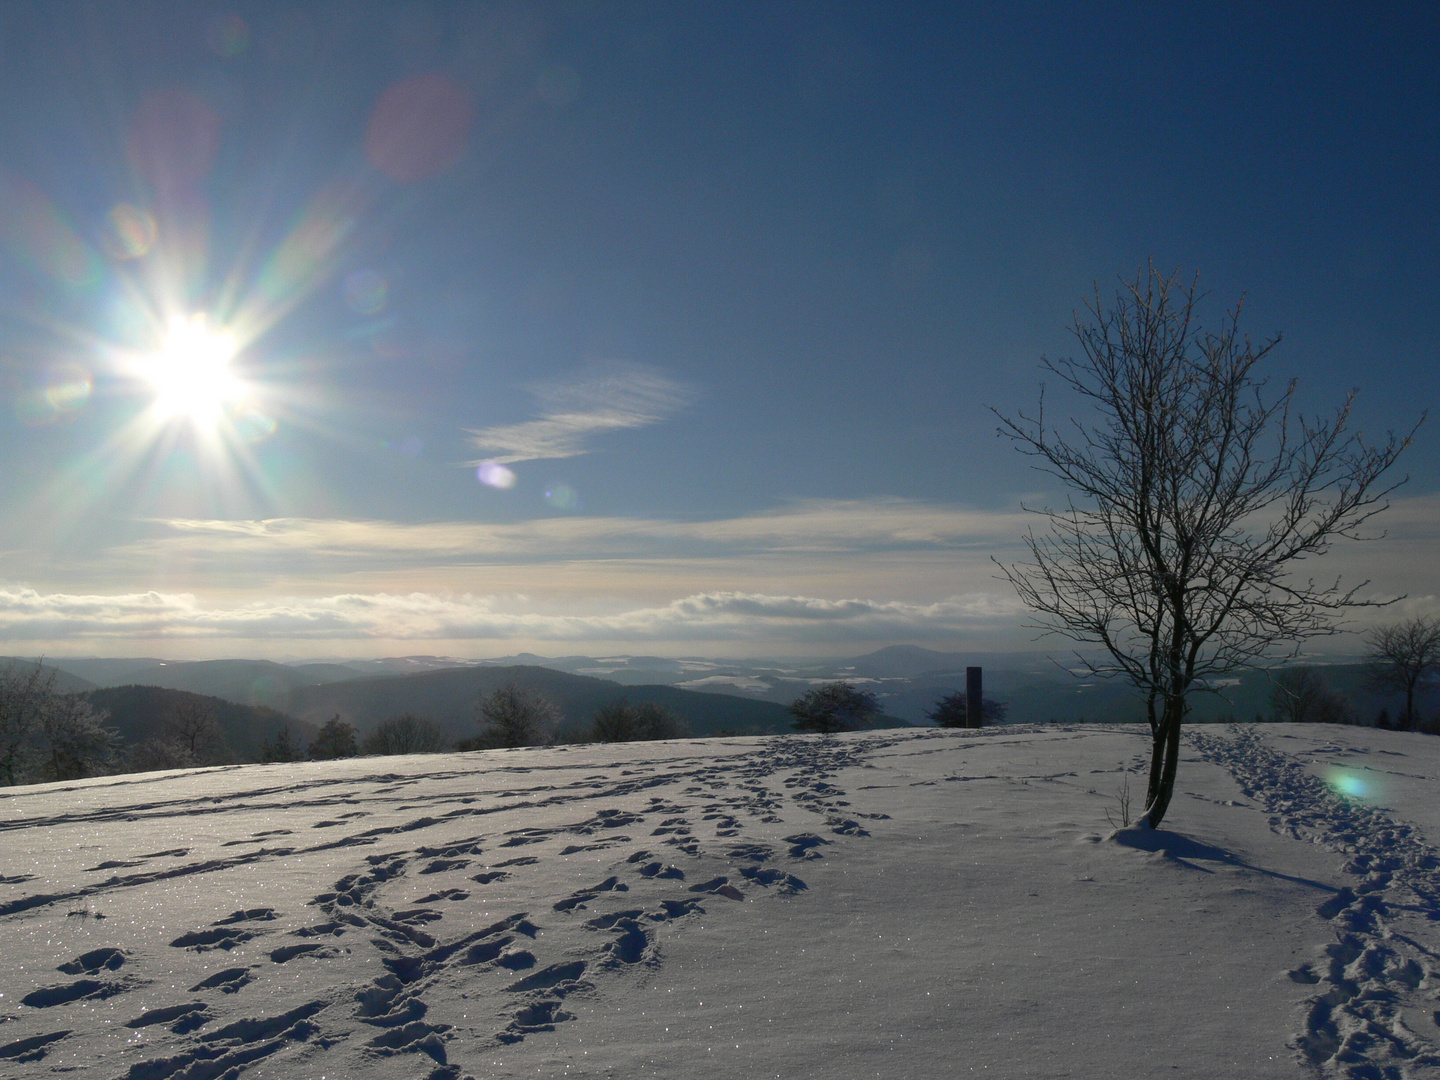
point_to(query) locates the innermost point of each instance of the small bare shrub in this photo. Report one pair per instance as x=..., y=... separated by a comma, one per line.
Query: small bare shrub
x=1122, y=805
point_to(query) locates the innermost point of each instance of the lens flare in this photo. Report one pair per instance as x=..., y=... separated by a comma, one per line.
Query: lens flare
x=562, y=497
x=307, y=254
x=63, y=389
x=173, y=140
x=130, y=232
x=390, y=340
x=1347, y=783
x=419, y=128
x=229, y=35
x=70, y=393
x=34, y=229
x=493, y=474
x=252, y=424
x=200, y=393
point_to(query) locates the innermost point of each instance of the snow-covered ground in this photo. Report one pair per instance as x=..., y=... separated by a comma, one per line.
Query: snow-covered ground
x=889, y=904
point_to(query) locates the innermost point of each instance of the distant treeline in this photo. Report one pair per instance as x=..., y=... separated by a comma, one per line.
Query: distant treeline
x=1298, y=694
x=1338, y=694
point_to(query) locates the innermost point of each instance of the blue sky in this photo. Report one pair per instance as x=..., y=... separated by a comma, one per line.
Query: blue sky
x=648, y=328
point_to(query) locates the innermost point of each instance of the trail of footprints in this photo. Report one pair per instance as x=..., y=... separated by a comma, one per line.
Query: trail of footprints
x=1372, y=1015
x=428, y=982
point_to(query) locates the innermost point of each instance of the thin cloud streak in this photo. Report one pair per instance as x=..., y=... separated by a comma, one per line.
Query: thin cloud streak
x=609, y=398
x=818, y=527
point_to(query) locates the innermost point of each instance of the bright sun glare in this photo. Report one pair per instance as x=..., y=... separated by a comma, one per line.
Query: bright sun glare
x=190, y=372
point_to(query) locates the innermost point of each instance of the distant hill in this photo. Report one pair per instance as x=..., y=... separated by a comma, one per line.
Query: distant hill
x=446, y=694
x=728, y=695
x=139, y=713
x=66, y=682
x=246, y=682
x=323, y=673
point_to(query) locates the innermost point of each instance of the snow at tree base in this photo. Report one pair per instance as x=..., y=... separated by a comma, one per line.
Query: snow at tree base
x=882, y=904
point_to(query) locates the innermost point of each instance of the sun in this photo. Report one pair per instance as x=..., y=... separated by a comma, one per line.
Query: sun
x=190, y=372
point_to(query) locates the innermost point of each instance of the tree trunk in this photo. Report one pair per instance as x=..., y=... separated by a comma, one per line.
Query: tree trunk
x=1164, y=763
x=1157, y=762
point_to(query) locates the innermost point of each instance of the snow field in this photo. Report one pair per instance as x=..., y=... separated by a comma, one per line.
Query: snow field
x=893, y=904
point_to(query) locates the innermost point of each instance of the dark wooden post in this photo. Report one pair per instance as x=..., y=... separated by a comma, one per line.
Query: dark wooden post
x=974, y=707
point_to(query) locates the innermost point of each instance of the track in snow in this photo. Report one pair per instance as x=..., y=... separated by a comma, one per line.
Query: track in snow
x=1373, y=1013
x=671, y=843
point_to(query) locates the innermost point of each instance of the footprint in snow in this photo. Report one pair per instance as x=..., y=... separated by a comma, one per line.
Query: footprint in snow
x=1366, y=1017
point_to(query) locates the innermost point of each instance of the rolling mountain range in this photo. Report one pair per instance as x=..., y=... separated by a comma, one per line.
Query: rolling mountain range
x=253, y=699
x=711, y=696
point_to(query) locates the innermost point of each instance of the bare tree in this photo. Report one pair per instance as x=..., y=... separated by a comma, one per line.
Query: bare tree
x=77, y=741
x=656, y=722
x=1402, y=656
x=1302, y=695
x=24, y=692
x=406, y=734
x=1192, y=497
x=620, y=721
x=188, y=735
x=514, y=717
x=953, y=710
x=835, y=706
x=615, y=721
x=193, y=729
x=45, y=735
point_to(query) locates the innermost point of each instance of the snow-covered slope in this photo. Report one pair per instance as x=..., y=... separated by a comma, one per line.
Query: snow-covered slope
x=894, y=904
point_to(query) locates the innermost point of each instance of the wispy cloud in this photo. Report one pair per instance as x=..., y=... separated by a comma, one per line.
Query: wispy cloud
x=816, y=526
x=603, y=398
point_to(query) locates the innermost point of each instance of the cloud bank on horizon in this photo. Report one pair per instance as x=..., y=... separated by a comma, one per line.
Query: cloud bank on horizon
x=598, y=583
x=715, y=618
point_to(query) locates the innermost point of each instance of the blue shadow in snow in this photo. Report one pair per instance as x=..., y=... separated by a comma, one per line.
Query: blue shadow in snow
x=1190, y=853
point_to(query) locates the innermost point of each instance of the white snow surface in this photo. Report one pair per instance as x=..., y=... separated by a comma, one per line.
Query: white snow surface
x=884, y=904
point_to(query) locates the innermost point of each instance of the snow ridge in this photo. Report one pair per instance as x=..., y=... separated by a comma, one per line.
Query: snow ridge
x=1368, y=1019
